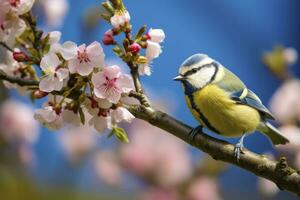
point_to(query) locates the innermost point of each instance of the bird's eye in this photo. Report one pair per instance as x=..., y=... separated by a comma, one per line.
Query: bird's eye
x=194, y=70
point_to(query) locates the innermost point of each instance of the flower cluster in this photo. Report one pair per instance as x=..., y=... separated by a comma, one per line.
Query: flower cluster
x=11, y=24
x=130, y=52
x=81, y=69
x=81, y=88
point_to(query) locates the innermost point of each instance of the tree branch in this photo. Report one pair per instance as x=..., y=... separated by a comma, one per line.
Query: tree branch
x=19, y=81
x=279, y=172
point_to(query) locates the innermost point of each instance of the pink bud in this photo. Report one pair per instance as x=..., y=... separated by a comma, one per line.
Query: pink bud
x=20, y=57
x=135, y=48
x=38, y=94
x=108, y=38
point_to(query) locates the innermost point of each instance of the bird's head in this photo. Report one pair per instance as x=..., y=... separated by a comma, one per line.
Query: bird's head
x=198, y=71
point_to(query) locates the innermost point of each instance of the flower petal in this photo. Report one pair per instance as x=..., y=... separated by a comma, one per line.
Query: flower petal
x=68, y=50
x=49, y=63
x=125, y=83
x=112, y=72
x=96, y=54
x=84, y=69
x=122, y=114
x=46, y=84
x=62, y=74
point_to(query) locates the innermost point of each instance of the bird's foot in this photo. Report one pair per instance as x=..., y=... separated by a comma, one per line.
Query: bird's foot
x=194, y=132
x=238, y=149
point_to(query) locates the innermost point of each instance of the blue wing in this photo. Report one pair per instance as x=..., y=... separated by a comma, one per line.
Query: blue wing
x=247, y=97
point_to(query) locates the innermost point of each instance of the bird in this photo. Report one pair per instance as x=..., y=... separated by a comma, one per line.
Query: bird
x=222, y=103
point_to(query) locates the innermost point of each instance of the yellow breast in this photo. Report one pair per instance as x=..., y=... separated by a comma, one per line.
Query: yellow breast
x=213, y=108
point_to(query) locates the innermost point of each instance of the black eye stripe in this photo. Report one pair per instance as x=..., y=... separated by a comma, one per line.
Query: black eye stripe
x=194, y=70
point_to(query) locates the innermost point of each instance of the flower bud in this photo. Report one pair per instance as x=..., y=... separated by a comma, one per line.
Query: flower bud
x=38, y=94
x=20, y=57
x=134, y=48
x=108, y=38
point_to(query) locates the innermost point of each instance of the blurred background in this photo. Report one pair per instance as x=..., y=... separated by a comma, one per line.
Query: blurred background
x=257, y=40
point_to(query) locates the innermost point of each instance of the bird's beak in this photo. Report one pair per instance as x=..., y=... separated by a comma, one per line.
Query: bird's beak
x=179, y=78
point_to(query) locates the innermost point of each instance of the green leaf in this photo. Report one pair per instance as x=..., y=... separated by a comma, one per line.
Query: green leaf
x=119, y=133
x=81, y=115
x=140, y=33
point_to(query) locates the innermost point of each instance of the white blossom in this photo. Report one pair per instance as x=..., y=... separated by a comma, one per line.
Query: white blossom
x=119, y=19
x=86, y=58
x=55, y=11
x=49, y=117
x=121, y=114
x=54, y=75
x=156, y=35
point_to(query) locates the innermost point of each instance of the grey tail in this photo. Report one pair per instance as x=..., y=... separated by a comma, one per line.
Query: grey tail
x=273, y=133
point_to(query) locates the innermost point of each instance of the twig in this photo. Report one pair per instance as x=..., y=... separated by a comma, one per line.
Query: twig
x=285, y=177
x=6, y=47
x=19, y=81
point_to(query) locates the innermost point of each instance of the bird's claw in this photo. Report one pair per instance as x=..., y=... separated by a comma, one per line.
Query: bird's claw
x=194, y=132
x=238, y=149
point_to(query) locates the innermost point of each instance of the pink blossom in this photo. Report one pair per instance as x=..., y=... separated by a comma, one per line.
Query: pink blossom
x=285, y=102
x=10, y=29
x=169, y=163
x=267, y=188
x=107, y=167
x=78, y=142
x=134, y=48
x=17, y=122
x=54, y=75
x=108, y=38
x=204, y=188
x=86, y=59
x=290, y=55
x=110, y=83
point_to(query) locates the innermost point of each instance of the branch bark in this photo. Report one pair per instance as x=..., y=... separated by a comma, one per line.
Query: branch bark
x=285, y=177
x=19, y=81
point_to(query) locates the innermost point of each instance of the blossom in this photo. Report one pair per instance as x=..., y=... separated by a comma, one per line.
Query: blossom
x=285, y=102
x=55, y=10
x=49, y=117
x=108, y=38
x=153, y=50
x=18, y=7
x=100, y=123
x=120, y=18
x=204, y=188
x=169, y=163
x=77, y=142
x=107, y=167
x=54, y=75
x=10, y=29
x=17, y=122
x=134, y=48
x=12, y=68
x=86, y=59
x=266, y=187
x=290, y=55
x=122, y=114
x=156, y=35
x=110, y=83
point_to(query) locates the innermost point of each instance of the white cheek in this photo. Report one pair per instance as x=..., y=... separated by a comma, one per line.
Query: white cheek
x=202, y=77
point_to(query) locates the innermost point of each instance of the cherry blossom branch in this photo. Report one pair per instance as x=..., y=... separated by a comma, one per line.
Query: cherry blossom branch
x=6, y=46
x=285, y=177
x=19, y=81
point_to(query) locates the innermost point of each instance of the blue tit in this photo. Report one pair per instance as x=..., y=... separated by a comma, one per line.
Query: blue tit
x=221, y=102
